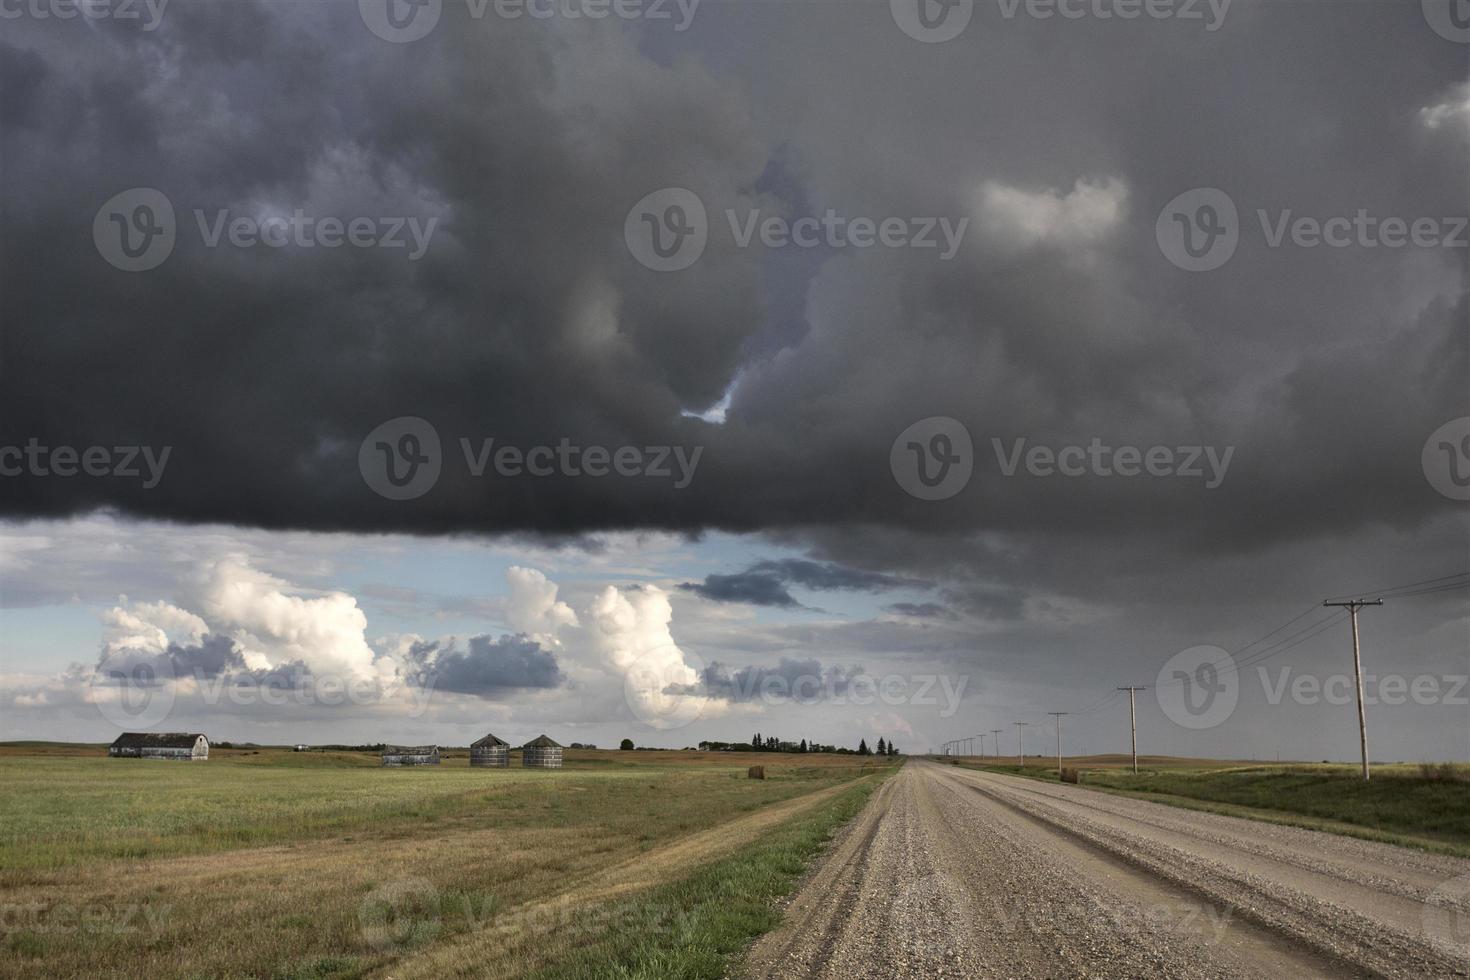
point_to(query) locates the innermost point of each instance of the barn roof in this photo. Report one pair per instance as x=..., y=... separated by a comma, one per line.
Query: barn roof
x=156, y=740
x=488, y=740
x=410, y=749
x=542, y=742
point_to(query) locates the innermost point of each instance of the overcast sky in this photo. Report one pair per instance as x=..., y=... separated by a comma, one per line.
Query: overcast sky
x=679, y=371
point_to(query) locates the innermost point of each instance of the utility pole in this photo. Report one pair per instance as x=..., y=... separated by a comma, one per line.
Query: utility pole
x=1058, y=716
x=1352, y=608
x=1133, y=722
x=1020, y=751
x=996, y=732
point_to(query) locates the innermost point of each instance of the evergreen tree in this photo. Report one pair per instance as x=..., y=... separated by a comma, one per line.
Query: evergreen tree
x=863, y=747
x=882, y=749
x=755, y=741
x=803, y=746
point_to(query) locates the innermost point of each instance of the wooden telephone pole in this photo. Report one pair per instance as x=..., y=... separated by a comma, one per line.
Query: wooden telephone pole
x=1133, y=722
x=1352, y=607
x=1020, y=751
x=1058, y=716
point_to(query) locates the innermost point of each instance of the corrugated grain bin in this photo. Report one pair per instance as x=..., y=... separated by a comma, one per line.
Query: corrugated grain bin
x=490, y=751
x=541, y=753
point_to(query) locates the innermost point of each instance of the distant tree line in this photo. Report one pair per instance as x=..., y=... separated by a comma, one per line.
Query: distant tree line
x=771, y=743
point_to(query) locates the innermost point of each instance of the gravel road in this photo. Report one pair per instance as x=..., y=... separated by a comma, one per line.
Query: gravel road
x=955, y=873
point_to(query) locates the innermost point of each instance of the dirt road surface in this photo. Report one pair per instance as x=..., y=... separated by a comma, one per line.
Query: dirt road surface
x=955, y=873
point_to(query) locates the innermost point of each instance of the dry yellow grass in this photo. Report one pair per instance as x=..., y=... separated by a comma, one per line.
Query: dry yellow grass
x=365, y=870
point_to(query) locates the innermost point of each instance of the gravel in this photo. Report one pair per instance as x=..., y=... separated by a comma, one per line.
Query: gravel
x=952, y=873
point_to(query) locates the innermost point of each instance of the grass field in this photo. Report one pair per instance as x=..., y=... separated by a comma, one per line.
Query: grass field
x=1401, y=804
x=294, y=865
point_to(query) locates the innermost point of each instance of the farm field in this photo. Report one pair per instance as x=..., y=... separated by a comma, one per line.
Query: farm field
x=1426, y=807
x=269, y=863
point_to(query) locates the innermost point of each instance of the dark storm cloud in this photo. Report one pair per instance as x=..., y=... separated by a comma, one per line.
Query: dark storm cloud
x=765, y=582
x=527, y=321
x=803, y=681
x=921, y=610
x=490, y=667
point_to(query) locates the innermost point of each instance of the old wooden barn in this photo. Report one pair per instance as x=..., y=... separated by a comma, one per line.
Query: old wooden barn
x=541, y=753
x=410, y=755
x=490, y=751
x=185, y=746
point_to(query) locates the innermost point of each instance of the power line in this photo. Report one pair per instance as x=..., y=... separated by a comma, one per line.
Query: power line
x=1385, y=593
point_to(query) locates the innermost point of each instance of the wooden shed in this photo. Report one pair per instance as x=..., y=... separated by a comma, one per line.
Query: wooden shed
x=410, y=755
x=184, y=746
x=541, y=753
x=490, y=751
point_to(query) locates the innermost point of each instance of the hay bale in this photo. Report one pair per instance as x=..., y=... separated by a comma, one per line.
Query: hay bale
x=756, y=772
x=1070, y=775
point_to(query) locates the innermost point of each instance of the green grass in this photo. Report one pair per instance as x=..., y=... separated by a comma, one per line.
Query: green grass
x=1399, y=805
x=691, y=929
